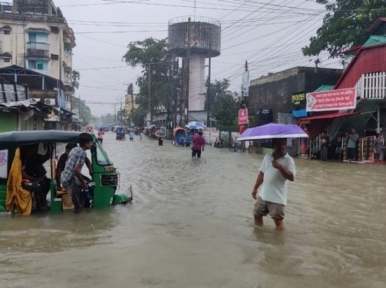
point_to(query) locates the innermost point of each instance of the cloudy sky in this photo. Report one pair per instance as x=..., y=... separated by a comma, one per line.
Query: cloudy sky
x=267, y=33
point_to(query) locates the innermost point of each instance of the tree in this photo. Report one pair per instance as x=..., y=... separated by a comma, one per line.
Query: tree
x=345, y=25
x=138, y=116
x=151, y=54
x=75, y=80
x=224, y=105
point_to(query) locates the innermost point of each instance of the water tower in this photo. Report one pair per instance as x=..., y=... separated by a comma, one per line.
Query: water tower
x=198, y=39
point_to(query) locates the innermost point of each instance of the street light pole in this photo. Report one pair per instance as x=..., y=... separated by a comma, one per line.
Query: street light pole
x=208, y=97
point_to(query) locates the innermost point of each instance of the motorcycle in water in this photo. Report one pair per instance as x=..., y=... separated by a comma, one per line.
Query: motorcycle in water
x=218, y=144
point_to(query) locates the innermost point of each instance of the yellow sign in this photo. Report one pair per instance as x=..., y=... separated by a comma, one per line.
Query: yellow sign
x=109, y=169
x=298, y=98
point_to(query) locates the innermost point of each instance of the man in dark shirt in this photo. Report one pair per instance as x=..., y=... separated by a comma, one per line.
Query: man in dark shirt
x=324, y=144
x=62, y=163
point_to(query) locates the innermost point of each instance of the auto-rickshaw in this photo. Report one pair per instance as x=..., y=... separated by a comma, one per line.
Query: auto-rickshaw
x=179, y=136
x=105, y=179
x=120, y=133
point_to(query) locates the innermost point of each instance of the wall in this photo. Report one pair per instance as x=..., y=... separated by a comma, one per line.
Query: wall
x=9, y=121
x=275, y=91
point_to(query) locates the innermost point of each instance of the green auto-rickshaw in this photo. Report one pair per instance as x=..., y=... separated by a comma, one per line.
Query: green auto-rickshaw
x=105, y=179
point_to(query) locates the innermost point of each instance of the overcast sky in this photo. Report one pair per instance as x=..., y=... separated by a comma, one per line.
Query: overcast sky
x=267, y=33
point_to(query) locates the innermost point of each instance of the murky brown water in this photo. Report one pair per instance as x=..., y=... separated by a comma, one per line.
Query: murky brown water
x=190, y=226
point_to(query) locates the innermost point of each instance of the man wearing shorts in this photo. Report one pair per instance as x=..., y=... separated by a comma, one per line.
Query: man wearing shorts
x=275, y=171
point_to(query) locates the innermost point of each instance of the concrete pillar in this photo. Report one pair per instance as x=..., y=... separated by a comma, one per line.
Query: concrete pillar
x=60, y=44
x=197, y=83
x=49, y=7
x=14, y=6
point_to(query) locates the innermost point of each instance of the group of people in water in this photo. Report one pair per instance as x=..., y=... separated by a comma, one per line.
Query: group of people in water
x=68, y=171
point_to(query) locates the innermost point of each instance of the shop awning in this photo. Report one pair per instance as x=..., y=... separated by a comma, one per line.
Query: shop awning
x=67, y=112
x=307, y=120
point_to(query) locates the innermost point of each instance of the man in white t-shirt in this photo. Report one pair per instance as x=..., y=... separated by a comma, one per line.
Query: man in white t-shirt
x=275, y=171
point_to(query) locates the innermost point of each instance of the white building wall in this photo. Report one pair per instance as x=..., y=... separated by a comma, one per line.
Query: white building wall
x=197, y=83
x=17, y=41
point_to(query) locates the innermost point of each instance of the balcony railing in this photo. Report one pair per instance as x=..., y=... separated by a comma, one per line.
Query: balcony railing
x=38, y=50
x=372, y=86
x=67, y=81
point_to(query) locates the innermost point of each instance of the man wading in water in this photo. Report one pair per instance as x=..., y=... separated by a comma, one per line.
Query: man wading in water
x=275, y=170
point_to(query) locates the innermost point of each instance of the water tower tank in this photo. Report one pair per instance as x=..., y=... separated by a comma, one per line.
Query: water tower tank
x=205, y=40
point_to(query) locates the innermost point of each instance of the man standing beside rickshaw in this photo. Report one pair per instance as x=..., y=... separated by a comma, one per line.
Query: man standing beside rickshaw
x=71, y=177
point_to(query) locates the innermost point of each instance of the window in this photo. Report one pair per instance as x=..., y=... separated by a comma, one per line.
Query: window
x=55, y=30
x=7, y=32
x=40, y=66
x=7, y=60
x=32, y=65
x=54, y=57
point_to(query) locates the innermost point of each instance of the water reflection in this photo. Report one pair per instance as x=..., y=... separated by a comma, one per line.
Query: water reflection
x=191, y=225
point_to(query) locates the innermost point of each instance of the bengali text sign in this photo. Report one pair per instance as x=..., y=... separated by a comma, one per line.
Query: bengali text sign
x=331, y=100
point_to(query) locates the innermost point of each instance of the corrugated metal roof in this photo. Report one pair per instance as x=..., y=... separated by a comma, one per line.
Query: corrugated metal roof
x=375, y=40
x=324, y=88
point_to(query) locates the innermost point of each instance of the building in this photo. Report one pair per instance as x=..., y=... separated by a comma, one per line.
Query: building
x=274, y=91
x=36, y=43
x=130, y=105
x=18, y=111
x=194, y=41
x=366, y=73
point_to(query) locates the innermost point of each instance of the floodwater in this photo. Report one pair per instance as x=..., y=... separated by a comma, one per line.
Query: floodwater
x=190, y=225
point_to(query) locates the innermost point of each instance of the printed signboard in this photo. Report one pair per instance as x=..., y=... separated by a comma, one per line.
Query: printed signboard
x=243, y=116
x=331, y=100
x=3, y=164
x=245, y=84
x=298, y=101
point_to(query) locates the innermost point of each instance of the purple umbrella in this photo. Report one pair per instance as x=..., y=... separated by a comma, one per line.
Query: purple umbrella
x=271, y=131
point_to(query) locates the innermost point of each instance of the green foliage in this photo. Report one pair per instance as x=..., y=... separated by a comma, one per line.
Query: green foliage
x=75, y=80
x=345, y=25
x=141, y=53
x=137, y=116
x=224, y=105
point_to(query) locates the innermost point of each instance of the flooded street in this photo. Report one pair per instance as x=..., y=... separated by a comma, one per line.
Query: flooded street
x=190, y=225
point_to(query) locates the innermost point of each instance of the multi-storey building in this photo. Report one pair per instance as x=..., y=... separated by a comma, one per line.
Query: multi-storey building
x=35, y=40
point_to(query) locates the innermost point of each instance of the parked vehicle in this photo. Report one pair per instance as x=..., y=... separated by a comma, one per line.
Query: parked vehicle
x=105, y=179
x=237, y=146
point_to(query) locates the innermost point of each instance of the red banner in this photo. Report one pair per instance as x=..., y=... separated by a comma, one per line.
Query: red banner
x=243, y=116
x=331, y=100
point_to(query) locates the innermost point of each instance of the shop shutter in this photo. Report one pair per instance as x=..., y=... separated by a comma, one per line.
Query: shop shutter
x=8, y=121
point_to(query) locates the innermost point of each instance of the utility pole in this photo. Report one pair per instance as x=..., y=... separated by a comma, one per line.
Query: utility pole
x=208, y=95
x=121, y=113
x=149, y=88
x=187, y=75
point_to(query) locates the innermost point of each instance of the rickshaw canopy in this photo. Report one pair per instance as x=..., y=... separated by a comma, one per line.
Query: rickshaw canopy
x=21, y=138
x=175, y=130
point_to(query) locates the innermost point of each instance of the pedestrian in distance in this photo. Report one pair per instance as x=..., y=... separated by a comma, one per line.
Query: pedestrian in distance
x=378, y=149
x=324, y=145
x=71, y=177
x=101, y=133
x=276, y=170
x=352, y=144
x=198, y=145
